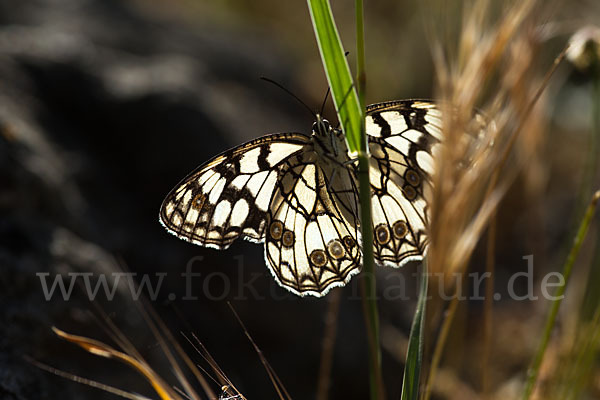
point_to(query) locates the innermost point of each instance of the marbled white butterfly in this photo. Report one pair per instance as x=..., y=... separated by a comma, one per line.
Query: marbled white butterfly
x=299, y=196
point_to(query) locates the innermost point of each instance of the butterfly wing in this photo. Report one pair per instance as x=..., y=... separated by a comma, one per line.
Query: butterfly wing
x=277, y=188
x=229, y=196
x=402, y=137
x=312, y=237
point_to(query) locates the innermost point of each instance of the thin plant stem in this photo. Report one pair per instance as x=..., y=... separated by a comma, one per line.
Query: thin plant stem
x=85, y=381
x=411, y=380
x=591, y=163
x=587, y=340
x=328, y=344
x=592, y=170
x=440, y=345
x=351, y=115
x=534, y=369
x=364, y=186
x=369, y=296
x=488, y=309
x=361, y=75
x=587, y=331
x=282, y=392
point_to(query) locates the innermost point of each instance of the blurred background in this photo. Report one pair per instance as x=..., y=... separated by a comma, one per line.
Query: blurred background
x=105, y=105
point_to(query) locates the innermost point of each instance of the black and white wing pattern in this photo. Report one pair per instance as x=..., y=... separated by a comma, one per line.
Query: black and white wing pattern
x=403, y=136
x=299, y=195
x=313, y=237
x=275, y=189
x=229, y=196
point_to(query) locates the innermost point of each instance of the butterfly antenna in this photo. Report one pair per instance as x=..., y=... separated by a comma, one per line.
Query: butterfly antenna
x=280, y=86
x=324, y=101
x=328, y=92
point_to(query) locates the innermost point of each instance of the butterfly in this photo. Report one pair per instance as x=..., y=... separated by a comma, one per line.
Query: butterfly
x=299, y=195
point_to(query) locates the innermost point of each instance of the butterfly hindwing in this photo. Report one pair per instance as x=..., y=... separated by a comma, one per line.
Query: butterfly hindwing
x=229, y=196
x=402, y=136
x=312, y=237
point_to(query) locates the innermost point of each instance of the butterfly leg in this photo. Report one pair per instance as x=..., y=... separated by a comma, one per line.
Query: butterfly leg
x=345, y=164
x=351, y=161
x=330, y=181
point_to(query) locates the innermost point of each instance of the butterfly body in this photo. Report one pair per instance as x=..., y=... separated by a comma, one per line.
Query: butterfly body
x=299, y=195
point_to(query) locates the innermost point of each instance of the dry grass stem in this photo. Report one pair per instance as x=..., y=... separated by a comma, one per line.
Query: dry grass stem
x=484, y=151
x=494, y=74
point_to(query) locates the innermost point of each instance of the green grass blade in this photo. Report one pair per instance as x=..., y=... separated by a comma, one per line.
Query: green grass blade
x=337, y=70
x=414, y=356
x=534, y=369
x=351, y=114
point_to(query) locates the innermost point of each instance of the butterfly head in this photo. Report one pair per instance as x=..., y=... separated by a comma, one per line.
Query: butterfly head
x=321, y=127
x=329, y=141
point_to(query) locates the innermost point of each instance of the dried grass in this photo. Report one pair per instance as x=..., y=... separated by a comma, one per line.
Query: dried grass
x=484, y=151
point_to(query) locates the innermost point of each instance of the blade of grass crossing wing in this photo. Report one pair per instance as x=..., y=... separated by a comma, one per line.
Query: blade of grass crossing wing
x=351, y=116
x=414, y=356
x=337, y=70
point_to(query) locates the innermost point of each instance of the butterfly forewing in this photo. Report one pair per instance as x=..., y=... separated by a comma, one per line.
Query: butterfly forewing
x=229, y=196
